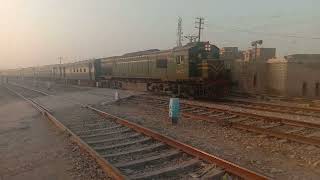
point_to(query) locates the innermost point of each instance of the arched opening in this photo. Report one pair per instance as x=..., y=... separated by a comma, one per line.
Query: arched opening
x=317, y=89
x=304, y=89
x=255, y=80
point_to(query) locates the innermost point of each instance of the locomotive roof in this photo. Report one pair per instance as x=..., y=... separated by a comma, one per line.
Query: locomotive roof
x=155, y=51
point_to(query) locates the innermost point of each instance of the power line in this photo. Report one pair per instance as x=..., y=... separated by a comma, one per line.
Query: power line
x=192, y=38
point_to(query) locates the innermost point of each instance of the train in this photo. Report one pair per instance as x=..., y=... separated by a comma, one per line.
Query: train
x=192, y=70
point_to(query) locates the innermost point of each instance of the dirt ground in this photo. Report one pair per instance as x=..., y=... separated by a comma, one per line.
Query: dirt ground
x=33, y=148
x=274, y=157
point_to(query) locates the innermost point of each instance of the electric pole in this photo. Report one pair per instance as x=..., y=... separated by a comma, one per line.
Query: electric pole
x=199, y=23
x=179, y=32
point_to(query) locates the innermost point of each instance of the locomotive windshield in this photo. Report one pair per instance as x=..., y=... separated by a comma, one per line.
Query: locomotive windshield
x=204, y=50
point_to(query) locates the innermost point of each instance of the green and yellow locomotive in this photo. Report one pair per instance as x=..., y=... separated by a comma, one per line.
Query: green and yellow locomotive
x=191, y=70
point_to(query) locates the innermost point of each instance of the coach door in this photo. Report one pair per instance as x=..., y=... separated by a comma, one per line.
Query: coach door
x=90, y=72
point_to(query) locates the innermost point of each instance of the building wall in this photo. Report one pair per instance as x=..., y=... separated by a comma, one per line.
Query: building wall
x=263, y=54
x=300, y=73
x=277, y=71
x=296, y=77
x=229, y=53
x=249, y=76
x=266, y=53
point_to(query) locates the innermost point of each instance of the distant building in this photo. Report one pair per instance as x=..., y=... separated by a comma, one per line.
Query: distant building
x=247, y=55
x=303, y=57
x=296, y=75
x=229, y=53
x=303, y=75
x=262, y=54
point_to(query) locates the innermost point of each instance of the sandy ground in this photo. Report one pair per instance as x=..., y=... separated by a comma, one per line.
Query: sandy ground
x=32, y=148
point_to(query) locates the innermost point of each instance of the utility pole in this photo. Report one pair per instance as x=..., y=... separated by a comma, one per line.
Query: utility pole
x=179, y=32
x=199, y=23
x=255, y=45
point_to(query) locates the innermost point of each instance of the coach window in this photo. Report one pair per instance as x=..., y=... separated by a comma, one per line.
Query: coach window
x=304, y=88
x=179, y=59
x=161, y=63
x=317, y=89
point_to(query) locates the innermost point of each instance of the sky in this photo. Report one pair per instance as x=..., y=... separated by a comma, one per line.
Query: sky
x=38, y=32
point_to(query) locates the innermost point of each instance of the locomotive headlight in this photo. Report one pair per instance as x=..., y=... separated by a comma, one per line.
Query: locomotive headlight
x=207, y=47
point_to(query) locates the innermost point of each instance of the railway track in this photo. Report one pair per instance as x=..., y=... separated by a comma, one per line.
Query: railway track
x=302, y=111
x=126, y=150
x=313, y=103
x=24, y=92
x=298, y=131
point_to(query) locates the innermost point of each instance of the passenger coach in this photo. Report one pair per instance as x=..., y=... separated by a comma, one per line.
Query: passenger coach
x=191, y=70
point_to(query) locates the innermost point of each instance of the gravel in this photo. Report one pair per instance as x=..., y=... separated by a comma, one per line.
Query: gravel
x=277, y=158
x=85, y=168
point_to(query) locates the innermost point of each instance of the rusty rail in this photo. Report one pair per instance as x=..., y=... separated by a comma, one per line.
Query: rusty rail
x=115, y=173
x=228, y=166
x=274, y=107
x=35, y=90
x=104, y=164
x=238, y=125
x=269, y=132
x=278, y=119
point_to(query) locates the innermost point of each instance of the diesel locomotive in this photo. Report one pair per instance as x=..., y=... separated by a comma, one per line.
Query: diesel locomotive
x=191, y=70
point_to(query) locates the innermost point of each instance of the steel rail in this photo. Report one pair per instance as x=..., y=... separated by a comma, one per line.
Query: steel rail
x=281, y=98
x=275, y=119
x=114, y=172
x=238, y=125
x=35, y=90
x=228, y=166
x=269, y=132
x=104, y=164
x=274, y=107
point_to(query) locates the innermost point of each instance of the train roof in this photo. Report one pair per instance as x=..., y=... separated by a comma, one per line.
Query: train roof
x=155, y=51
x=139, y=53
x=124, y=56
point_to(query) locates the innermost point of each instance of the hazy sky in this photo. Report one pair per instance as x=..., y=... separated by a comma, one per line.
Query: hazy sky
x=37, y=32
